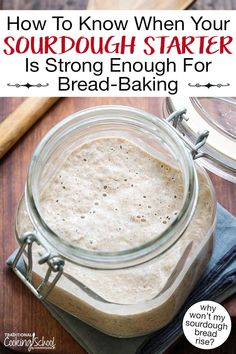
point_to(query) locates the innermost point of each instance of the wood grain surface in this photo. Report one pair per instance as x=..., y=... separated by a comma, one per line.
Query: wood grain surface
x=82, y=4
x=14, y=126
x=19, y=310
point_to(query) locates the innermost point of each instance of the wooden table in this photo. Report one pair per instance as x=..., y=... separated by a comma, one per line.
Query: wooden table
x=20, y=311
x=81, y=4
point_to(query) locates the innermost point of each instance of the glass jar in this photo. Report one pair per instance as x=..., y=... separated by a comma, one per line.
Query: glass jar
x=217, y=116
x=133, y=291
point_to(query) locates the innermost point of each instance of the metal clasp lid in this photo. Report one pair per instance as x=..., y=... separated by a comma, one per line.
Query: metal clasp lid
x=176, y=119
x=55, y=264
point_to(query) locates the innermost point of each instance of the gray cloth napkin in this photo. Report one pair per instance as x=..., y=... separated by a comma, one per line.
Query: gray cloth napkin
x=217, y=284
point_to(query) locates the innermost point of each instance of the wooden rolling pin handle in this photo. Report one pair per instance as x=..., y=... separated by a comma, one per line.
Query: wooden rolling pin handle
x=22, y=119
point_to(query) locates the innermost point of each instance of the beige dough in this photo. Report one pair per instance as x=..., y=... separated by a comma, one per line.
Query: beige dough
x=109, y=195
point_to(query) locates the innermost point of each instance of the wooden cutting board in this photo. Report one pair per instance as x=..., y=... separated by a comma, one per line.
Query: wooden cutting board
x=138, y=4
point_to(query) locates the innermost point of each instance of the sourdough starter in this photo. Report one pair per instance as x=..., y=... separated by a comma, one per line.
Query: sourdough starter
x=110, y=195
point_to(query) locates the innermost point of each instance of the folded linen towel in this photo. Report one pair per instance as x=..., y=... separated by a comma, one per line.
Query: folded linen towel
x=217, y=283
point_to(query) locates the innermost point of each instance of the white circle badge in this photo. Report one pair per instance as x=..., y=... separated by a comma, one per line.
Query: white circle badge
x=207, y=325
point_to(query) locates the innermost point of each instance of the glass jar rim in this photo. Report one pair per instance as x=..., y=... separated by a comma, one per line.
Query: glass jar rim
x=218, y=153
x=124, y=258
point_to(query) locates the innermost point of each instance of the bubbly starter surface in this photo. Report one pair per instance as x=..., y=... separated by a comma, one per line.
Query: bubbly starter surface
x=110, y=195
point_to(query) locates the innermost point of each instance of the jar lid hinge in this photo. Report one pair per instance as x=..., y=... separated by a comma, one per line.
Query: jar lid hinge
x=175, y=119
x=55, y=264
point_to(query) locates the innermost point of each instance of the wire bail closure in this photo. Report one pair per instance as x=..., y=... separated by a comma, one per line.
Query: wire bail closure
x=55, y=264
x=176, y=118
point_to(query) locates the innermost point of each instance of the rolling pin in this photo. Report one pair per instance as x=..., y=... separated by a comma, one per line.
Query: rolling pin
x=21, y=120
